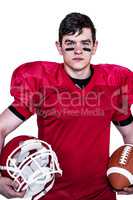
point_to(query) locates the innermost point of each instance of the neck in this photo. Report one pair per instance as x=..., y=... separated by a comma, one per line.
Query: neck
x=78, y=74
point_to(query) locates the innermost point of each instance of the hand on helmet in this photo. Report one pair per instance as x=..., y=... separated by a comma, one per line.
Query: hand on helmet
x=7, y=188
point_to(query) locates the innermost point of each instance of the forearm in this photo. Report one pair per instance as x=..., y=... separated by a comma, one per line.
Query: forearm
x=3, y=131
x=127, y=133
x=128, y=139
x=8, y=123
x=2, y=138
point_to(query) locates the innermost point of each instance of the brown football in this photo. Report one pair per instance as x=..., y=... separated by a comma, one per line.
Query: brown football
x=120, y=168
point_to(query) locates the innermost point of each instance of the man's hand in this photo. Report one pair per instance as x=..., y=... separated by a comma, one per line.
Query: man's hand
x=7, y=188
x=126, y=191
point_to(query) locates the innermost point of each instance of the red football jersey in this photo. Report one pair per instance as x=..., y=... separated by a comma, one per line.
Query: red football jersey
x=76, y=122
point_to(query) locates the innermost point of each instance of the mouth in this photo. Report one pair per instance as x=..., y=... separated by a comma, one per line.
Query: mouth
x=78, y=59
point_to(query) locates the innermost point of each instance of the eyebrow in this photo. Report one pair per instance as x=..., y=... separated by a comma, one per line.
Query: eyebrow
x=87, y=40
x=67, y=40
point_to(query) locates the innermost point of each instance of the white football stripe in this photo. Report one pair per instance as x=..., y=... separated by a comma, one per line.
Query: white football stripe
x=122, y=171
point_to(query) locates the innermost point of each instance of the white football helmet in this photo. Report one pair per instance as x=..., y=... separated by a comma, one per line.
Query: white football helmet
x=31, y=163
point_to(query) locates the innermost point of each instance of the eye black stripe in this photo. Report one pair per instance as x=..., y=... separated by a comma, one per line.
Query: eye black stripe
x=72, y=49
x=87, y=49
x=69, y=49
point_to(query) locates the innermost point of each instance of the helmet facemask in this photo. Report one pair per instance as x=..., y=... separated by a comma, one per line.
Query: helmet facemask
x=33, y=165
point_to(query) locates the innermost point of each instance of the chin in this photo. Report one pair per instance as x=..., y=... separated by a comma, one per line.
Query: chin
x=79, y=66
x=76, y=66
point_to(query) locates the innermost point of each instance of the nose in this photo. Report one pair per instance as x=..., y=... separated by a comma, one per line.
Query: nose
x=78, y=50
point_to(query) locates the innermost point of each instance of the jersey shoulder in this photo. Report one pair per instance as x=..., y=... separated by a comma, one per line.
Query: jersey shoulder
x=36, y=69
x=111, y=74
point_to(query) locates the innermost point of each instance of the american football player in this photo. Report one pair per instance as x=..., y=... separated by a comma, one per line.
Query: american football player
x=75, y=103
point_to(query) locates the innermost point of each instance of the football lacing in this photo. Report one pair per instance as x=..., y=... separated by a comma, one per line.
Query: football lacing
x=124, y=155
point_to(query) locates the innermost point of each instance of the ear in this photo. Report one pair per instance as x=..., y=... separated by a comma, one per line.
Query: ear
x=59, y=48
x=94, y=47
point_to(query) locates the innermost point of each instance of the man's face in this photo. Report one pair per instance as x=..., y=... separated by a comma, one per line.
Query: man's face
x=77, y=49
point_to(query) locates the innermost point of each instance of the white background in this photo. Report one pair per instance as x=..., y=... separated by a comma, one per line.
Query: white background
x=29, y=28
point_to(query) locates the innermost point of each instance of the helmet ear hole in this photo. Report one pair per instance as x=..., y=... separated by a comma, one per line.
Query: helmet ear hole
x=31, y=163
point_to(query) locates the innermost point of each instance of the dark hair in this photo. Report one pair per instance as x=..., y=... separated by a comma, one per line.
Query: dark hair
x=74, y=22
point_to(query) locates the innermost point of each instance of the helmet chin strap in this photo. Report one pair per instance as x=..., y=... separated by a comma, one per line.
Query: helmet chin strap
x=43, y=192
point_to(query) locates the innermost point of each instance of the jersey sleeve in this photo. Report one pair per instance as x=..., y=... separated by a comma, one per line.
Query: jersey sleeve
x=130, y=87
x=122, y=115
x=24, y=89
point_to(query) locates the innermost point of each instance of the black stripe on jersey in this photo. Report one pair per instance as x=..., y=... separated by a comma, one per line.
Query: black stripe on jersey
x=20, y=116
x=124, y=122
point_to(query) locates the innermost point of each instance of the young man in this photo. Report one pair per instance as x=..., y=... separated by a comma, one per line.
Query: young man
x=75, y=102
